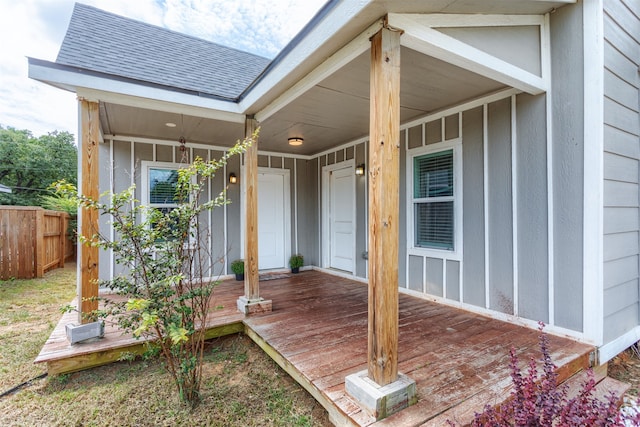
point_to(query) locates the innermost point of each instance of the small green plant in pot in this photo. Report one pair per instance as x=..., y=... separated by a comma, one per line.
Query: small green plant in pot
x=237, y=267
x=295, y=262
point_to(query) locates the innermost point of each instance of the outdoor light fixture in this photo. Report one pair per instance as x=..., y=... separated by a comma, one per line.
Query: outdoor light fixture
x=233, y=179
x=360, y=169
x=296, y=141
x=170, y=125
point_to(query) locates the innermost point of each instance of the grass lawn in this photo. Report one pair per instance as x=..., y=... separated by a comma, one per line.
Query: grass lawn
x=242, y=386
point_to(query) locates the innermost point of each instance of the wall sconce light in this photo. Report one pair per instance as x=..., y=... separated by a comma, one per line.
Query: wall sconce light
x=233, y=179
x=296, y=141
x=360, y=169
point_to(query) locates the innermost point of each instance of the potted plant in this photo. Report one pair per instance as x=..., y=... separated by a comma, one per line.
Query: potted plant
x=295, y=262
x=237, y=267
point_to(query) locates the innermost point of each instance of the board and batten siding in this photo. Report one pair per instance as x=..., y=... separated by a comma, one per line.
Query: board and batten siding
x=504, y=263
x=123, y=168
x=621, y=162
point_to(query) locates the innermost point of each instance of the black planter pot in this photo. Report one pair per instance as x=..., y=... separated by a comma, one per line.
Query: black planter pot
x=295, y=270
x=240, y=277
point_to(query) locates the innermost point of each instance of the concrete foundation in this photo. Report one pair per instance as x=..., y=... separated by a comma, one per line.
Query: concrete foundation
x=383, y=401
x=248, y=306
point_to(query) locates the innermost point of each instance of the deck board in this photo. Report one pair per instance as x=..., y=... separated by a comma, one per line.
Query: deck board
x=317, y=332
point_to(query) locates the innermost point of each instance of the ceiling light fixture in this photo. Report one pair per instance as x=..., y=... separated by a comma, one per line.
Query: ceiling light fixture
x=170, y=125
x=296, y=141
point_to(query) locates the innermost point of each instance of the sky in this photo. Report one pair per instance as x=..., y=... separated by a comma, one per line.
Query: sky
x=36, y=28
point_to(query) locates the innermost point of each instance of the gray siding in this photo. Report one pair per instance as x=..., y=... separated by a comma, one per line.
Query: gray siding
x=213, y=230
x=308, y=219
x=568, y=164
x=473, y=203
x=621, y=162
x=500, y=207
x=516, y=45
x=531, y=158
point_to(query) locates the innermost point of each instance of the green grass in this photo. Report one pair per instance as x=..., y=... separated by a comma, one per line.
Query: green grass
x=241, y=385
x=29, y=310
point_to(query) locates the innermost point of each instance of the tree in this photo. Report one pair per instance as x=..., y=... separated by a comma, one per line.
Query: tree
x=29, y=165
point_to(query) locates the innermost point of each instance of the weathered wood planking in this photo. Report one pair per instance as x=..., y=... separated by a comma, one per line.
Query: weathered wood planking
x=459, y=360
x=60, y=357
x=317, y=332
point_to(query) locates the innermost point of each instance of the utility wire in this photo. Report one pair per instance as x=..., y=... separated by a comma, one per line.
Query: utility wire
x=24, y=384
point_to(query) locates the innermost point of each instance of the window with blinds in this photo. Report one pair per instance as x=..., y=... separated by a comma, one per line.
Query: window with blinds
x=162, y=187
x=433, y=200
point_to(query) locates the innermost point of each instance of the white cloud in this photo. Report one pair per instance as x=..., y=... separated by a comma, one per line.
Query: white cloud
x=36, y=28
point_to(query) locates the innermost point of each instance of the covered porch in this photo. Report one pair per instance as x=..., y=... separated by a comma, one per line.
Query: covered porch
x=317, y=332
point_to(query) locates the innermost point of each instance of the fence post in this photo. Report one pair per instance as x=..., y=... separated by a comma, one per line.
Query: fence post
x=61, y=243
x=39, y=242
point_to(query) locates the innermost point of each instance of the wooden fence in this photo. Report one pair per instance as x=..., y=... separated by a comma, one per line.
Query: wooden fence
x=32, y=241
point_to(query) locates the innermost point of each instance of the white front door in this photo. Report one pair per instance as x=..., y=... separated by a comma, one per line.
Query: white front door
x=341, y=219
x=271, y=221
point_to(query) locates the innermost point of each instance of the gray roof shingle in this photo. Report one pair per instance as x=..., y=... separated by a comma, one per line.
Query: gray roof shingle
x=107, y=43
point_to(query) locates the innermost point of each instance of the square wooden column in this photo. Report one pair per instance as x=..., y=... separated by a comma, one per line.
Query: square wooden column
x=88, y=218
x=380, y=389
x=251, y=301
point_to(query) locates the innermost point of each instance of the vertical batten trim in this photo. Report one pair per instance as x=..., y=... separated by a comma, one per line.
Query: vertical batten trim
x=319, y=197
x=546, y=74
x=514, y=202
x=593, y=191
x=444, y=277
x=225, y=237
x=209, y=233
x=460, y=270
x=295, y=200
x=485, y=183
x=112, y=189
x=366, y=205
x=155, y=152
x=132, y=162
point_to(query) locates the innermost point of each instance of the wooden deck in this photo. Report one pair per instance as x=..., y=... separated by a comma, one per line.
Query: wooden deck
x=318, y=333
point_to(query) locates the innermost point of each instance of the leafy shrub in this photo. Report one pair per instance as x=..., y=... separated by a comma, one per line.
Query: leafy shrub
x=166, y=288
x=538, y=401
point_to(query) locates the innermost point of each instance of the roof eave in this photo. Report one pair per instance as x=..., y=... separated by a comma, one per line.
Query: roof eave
x=108, y=88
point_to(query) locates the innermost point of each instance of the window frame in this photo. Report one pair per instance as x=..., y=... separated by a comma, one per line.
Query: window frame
x=146, y=167
x=454, y=145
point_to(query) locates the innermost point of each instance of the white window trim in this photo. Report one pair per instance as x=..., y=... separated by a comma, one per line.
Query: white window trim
x=456, y=254
x=144, y=179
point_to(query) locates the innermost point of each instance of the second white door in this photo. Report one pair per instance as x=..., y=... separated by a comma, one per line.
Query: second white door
x=271, y=221
x=341, y=219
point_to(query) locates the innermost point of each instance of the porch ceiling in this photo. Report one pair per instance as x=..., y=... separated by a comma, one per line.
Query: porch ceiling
x=331, y=113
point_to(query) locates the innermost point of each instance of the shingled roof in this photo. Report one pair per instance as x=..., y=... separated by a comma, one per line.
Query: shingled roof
x=107, y=43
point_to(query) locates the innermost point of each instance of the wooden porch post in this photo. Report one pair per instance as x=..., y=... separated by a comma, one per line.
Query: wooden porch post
x=251, y=302
x=251, y=278
x=381, y=389
x=384, y=206
x=88, y=259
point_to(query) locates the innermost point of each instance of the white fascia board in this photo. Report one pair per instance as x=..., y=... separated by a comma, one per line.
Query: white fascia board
x=331, y=24
x=336, y=61
x=96, y=88
x=434, y=43
x=435, y=20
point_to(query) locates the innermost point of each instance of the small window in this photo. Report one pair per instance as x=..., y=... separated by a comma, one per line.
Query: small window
x=162, y=187
x=162, y=190
x=433, y=200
